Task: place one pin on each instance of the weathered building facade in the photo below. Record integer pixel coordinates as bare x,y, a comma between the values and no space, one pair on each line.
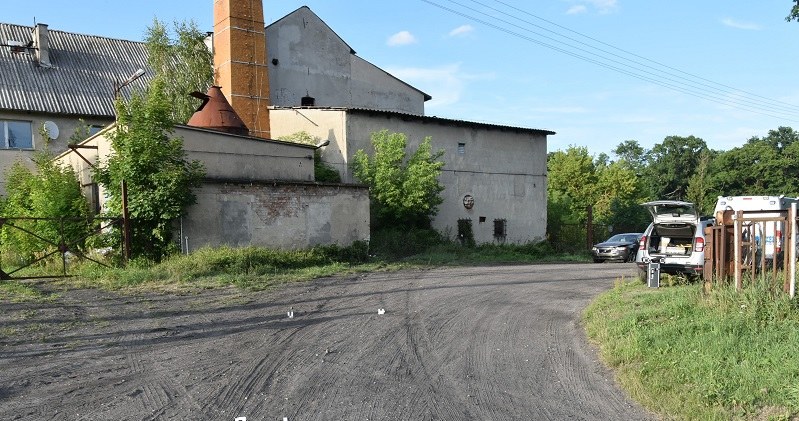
255,192
55,79
494,176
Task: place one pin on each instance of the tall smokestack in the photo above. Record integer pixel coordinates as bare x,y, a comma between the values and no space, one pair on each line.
240,61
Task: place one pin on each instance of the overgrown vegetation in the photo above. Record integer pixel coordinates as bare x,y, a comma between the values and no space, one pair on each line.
153,165
181,57
404,191
691,355
50,191
323,172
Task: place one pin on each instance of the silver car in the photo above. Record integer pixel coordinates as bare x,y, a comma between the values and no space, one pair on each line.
676,237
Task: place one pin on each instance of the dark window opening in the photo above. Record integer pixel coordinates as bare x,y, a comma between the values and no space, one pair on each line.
461,148
465,233
307,101
93,194
500,228
482,219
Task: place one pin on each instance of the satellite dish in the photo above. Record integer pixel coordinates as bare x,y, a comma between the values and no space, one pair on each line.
52,129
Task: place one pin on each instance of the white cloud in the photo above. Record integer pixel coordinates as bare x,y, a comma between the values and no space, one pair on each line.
401,38
461,31
576,10
445,84
601,6
740,25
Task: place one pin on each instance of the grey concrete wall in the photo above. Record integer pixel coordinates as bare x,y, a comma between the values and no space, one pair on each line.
503,169
312,60
243,158
277,215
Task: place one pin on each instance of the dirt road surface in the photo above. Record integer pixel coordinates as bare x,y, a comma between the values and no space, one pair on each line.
477,343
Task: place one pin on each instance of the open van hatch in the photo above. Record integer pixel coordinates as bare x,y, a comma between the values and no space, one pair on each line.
671,239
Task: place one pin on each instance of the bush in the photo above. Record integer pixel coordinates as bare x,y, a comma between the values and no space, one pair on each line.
398,243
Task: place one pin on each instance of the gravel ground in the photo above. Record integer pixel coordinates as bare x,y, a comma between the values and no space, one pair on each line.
482,343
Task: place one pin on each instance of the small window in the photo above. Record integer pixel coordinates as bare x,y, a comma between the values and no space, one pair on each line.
16,134
461,148
500,228
94,129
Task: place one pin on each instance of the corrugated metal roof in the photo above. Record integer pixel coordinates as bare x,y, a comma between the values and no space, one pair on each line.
429,119
81,79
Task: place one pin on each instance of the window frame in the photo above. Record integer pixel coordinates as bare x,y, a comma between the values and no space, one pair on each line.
4,129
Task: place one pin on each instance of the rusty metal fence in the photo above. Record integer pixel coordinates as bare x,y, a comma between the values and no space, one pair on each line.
57,241
742,246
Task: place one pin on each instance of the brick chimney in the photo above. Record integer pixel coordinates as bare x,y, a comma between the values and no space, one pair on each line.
240,61
42,44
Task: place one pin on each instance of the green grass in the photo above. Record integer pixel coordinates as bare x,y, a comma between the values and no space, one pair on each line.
256,268
686,354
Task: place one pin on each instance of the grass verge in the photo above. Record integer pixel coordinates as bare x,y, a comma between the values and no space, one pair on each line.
688,354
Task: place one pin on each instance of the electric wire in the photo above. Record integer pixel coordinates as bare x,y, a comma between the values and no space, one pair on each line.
675,82
725,87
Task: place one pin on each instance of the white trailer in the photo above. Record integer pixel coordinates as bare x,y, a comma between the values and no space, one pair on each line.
773,232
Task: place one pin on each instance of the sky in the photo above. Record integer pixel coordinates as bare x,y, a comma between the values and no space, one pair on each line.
596,72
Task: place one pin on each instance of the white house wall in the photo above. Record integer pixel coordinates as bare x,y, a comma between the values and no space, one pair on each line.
324,124
305,57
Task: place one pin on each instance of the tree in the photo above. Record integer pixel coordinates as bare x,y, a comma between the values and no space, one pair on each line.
631,154
671,164
52,191
762,166
153,164
182,58
794,14
404,191
698,191
571,177
323,172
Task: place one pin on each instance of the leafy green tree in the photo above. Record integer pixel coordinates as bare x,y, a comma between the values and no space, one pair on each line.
52,191
794,14
153,164
699,191
762,166
631,154
671,164
182,57
323,172
572,174
404,191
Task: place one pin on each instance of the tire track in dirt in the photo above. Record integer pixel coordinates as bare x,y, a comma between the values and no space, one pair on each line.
495,343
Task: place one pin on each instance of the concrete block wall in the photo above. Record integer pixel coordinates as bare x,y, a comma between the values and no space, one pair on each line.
276,215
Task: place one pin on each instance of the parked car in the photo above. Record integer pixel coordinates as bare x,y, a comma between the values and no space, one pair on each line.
620,247
676,237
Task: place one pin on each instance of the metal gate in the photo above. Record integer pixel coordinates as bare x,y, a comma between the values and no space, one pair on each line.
57,243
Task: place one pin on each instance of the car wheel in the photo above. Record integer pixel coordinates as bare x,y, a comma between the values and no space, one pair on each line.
630,256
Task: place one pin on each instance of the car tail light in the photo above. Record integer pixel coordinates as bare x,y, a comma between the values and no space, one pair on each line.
778,244
642,242
700,244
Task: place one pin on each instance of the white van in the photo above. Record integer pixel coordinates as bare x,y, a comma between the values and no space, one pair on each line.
773,232
676,238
